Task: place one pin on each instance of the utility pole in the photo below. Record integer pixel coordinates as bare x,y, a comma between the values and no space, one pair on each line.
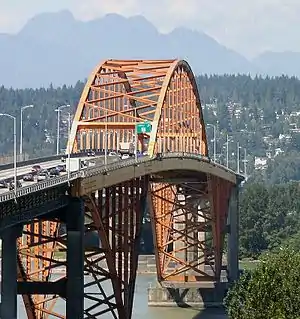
21,126
245,163
135,138
227,151
105,132
238,157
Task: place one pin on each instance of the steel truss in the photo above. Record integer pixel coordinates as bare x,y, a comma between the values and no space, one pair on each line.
189,223
113,215
188,219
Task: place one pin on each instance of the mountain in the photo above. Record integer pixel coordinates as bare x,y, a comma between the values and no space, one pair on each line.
56,48
277,63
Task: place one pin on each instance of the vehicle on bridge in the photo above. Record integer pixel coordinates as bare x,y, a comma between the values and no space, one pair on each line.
61,168
28,177
3,184
53,172
44,174
36,168
91,153
11,185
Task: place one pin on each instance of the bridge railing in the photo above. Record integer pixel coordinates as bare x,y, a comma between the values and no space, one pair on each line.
96,170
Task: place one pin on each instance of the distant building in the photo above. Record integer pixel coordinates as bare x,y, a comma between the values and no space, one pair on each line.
260,163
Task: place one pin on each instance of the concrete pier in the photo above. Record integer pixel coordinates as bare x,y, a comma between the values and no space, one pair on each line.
208,295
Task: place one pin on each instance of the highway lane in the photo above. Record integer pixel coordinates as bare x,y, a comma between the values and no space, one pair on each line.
9,173
27,169
5,174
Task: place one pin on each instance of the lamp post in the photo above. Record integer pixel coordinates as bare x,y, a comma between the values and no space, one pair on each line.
15,149
215,141
21,126
69,148
227,150
238,157
106,142
135,136
245,163
58,110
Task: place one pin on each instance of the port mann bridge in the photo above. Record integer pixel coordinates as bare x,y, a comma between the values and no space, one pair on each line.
192,201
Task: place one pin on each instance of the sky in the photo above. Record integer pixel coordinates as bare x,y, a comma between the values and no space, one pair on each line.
248,26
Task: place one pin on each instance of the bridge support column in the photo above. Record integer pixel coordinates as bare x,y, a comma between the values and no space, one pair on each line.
9,272
233,238
75,259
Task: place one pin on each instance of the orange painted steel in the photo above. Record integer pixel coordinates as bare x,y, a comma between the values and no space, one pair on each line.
120,94
188,219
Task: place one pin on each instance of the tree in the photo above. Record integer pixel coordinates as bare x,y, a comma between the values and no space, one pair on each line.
272,290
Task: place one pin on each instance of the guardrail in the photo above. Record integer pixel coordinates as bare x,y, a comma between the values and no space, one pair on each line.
92,171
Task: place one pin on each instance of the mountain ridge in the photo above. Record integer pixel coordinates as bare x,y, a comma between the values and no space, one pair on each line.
55,48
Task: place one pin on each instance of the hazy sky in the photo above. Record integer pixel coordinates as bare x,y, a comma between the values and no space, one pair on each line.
248,26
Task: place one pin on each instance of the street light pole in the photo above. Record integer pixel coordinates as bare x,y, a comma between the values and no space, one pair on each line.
105,149
245,163
69,148
238,157
227,151
58,110
15,149
215,142
135,137
21,126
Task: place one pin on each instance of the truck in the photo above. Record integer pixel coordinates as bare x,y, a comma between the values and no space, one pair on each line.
76,164
126,148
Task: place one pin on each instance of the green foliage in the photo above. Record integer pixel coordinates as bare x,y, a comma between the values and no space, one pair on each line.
239,105
269,215
270,291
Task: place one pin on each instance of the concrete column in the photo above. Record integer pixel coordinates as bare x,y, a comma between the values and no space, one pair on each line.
233,237
75,259
9,272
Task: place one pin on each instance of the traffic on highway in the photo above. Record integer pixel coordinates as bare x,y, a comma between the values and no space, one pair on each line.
30,174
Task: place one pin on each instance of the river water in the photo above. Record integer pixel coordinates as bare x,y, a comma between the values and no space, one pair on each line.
141,309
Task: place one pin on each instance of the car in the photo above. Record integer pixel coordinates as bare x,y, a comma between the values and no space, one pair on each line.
43,175
91,153
125,156
3,184
36,168
54,172
61,168
11,185
63,158
28,178
112,154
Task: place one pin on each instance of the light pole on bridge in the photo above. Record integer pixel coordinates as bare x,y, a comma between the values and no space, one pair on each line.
21,126
215,141
15,149
58,110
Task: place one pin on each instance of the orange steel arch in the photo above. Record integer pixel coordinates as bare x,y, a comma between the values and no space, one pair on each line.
122,93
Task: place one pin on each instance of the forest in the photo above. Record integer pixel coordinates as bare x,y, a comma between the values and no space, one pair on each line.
261,114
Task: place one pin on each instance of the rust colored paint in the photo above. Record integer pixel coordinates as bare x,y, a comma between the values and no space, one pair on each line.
188,218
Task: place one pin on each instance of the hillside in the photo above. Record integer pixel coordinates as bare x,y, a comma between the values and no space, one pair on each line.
56,48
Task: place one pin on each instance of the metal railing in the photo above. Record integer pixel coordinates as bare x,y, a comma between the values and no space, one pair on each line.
97,170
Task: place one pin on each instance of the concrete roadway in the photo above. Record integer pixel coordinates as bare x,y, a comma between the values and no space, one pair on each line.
9,173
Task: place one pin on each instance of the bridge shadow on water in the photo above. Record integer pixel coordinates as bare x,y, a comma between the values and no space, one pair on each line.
211,313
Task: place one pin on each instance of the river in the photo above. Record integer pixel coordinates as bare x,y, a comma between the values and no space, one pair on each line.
141,309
